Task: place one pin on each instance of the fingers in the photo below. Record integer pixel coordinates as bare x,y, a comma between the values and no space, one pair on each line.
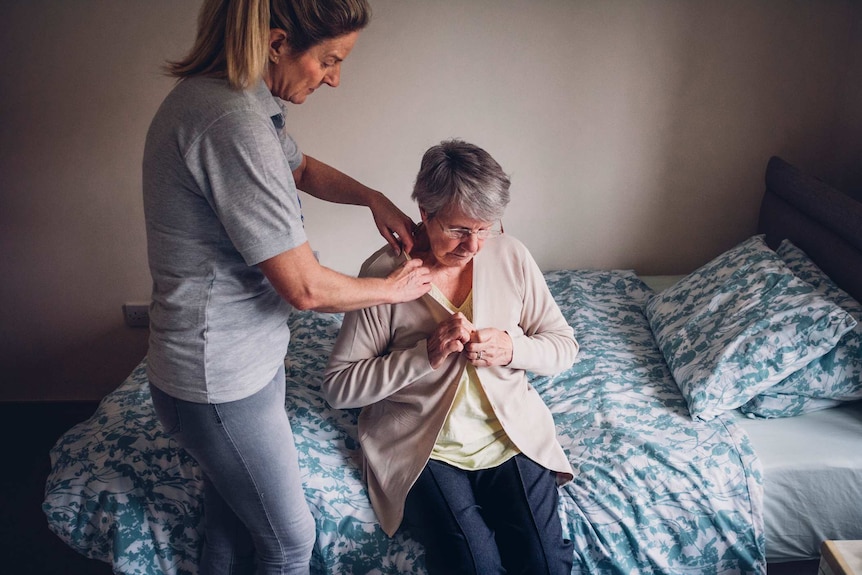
393,224
462,328
446,340
412,264
489,346
419,274
408,282
482,348
454,346
415,272
391,239
406,243
402,225
403,234
481,355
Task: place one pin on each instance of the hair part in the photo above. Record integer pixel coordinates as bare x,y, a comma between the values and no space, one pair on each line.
463,176
233,35
310,22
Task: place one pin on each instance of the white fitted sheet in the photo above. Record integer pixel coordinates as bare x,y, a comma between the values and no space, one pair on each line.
812,466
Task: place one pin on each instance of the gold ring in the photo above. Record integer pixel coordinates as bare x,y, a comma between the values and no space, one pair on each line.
479,354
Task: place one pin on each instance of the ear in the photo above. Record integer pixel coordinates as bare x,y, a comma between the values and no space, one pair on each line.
424,215
278,43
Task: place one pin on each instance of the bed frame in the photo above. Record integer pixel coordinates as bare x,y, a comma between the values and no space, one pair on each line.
825,223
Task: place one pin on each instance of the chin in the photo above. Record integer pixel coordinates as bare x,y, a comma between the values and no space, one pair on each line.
461,260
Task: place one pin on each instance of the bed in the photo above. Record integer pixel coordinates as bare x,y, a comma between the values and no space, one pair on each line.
759,468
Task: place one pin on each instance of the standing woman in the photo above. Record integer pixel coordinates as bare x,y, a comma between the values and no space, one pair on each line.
229,259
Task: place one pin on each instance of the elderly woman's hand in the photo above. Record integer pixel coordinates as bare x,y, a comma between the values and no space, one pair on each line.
482,347
489,346
391,221
450,337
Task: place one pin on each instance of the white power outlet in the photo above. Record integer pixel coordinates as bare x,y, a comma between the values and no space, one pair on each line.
136,314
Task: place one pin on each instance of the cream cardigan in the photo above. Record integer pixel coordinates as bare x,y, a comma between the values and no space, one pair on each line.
380,363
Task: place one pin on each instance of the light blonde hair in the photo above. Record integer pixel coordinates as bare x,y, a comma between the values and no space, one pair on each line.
233,35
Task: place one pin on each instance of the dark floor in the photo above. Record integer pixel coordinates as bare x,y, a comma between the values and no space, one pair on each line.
795,568
27,547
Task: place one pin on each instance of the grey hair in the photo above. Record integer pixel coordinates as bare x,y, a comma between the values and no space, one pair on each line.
455,174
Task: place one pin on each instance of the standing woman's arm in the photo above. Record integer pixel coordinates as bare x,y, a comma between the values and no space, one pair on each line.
305,284
326,183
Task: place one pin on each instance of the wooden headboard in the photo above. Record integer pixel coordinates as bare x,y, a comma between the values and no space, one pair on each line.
822,221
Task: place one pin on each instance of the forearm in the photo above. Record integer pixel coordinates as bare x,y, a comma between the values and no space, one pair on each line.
547,344
362,368
357,383
326,183
332,292
547,353
305,284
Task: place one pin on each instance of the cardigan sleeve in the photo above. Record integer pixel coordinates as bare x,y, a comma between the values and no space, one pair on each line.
365,367
362,370
546,344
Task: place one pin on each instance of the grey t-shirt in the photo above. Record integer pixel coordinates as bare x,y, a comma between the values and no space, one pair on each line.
219,198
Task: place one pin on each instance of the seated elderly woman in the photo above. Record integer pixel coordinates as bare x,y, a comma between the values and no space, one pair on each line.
455,441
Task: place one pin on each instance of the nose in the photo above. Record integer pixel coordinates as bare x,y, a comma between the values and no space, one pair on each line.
471,242
333,77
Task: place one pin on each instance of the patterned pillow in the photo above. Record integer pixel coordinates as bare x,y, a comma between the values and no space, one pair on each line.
829,380
739,325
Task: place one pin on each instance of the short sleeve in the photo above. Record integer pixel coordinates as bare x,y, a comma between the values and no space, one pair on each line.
245,171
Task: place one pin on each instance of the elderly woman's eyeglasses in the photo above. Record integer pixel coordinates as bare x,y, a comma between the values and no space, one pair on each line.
464,233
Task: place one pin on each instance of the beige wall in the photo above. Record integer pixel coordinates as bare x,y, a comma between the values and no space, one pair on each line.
636,134
846,172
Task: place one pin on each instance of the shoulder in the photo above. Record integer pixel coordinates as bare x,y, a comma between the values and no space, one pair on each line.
507,257
381,263
201,102
506,245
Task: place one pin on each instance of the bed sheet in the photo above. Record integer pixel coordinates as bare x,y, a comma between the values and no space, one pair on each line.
654,492
812,470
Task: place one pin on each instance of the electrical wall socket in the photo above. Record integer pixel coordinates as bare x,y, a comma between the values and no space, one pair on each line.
136,314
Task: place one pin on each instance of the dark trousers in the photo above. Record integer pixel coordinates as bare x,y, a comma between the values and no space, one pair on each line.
492,521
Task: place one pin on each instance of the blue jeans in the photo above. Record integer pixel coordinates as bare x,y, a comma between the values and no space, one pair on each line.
494,521
254,504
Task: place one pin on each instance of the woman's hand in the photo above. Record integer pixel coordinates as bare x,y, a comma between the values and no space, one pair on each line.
483,347
326,183
489,346
409,281
394,225
450,337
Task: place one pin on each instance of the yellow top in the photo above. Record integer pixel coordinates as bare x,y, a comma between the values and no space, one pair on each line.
472,437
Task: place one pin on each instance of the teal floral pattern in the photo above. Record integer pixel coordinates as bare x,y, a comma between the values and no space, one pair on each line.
122,492
739,325
829,380
654,491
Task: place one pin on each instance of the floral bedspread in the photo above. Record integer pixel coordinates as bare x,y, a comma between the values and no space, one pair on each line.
654,491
